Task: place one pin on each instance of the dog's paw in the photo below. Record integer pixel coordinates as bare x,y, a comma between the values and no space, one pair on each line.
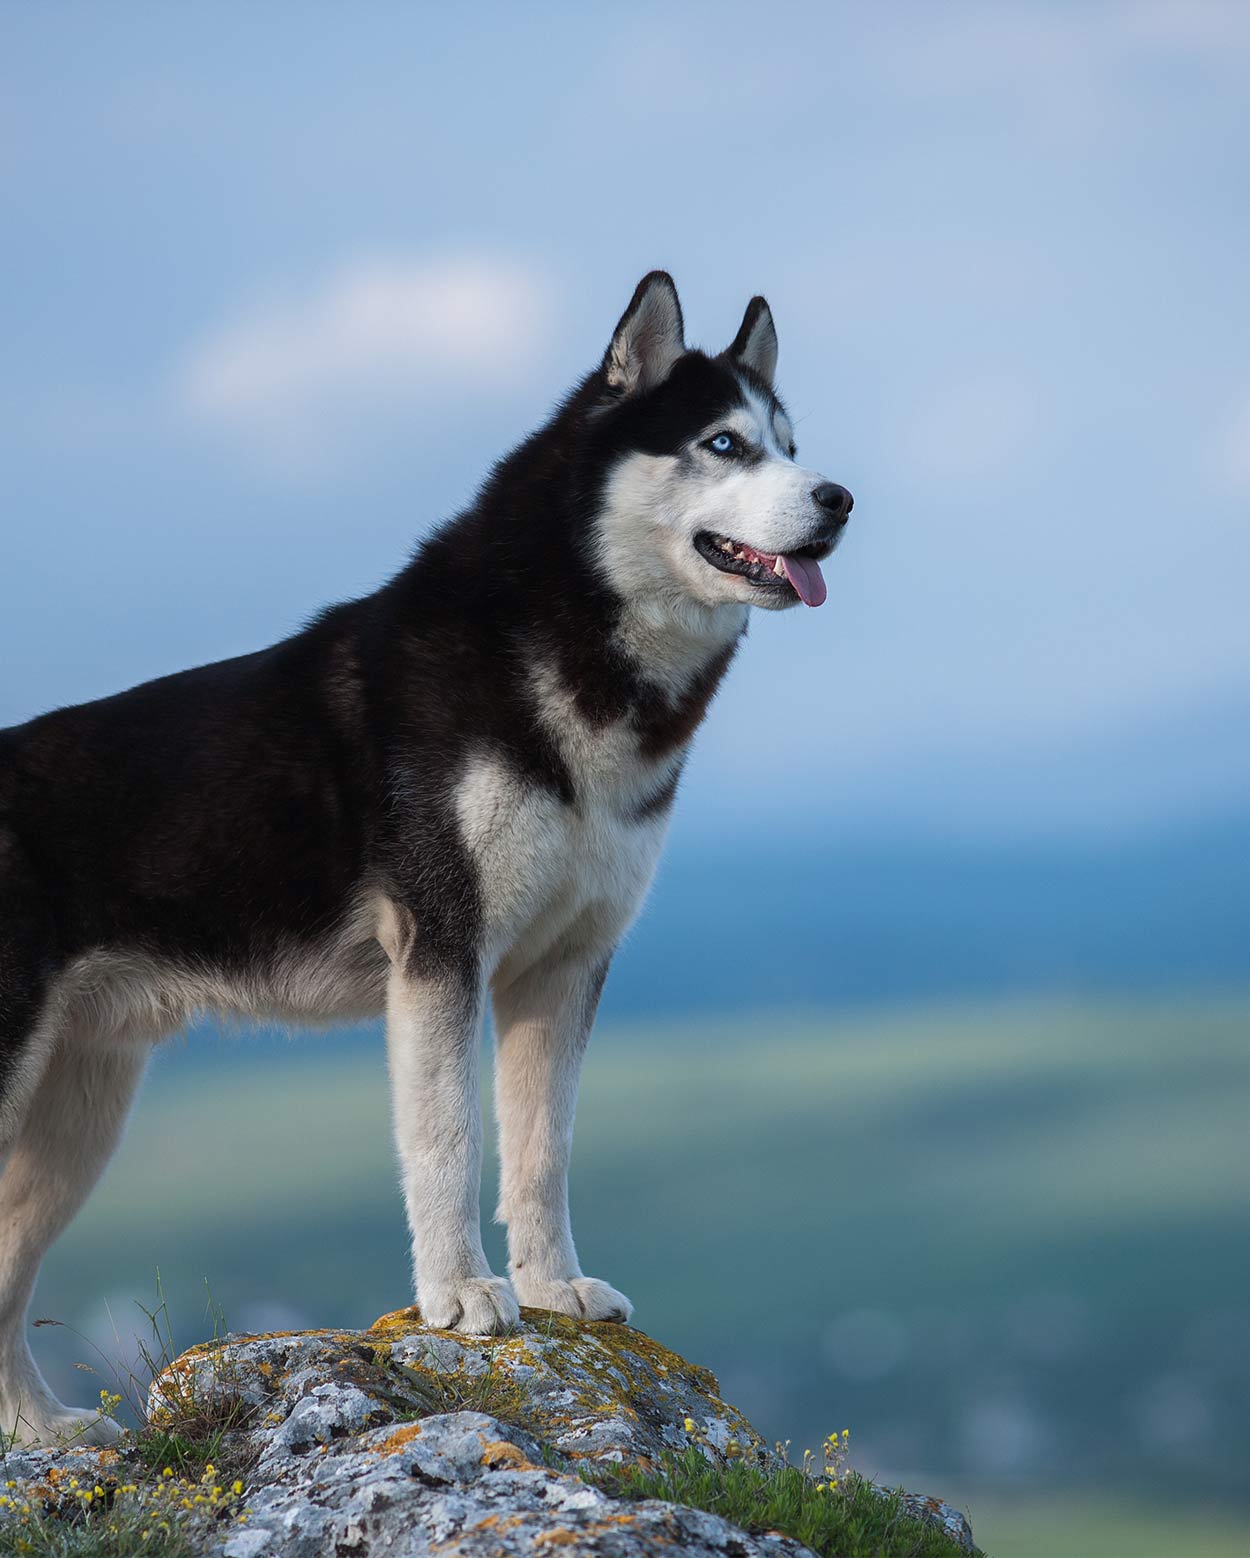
64,1428
585,1298
479,1306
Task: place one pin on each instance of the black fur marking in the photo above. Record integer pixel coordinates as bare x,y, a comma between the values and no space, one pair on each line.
755,308
663,725
27,947
760,356
593,992
661,800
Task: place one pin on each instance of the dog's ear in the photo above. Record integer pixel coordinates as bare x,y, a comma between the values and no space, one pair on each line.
755,344
649,339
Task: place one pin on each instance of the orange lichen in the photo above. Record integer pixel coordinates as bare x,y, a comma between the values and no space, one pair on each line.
401,1437
400,1322
559,1537
498,1523
499,1452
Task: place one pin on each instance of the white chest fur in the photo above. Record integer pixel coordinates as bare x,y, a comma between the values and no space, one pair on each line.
561,879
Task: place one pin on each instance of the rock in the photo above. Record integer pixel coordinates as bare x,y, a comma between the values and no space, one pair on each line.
401,1440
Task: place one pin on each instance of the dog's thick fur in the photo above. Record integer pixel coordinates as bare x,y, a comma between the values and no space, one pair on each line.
453,789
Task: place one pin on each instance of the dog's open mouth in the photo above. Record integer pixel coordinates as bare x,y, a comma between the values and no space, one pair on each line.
797,571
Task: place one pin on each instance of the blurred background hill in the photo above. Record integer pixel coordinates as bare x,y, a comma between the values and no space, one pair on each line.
920,1100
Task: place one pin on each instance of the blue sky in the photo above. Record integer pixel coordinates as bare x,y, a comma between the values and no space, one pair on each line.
281,282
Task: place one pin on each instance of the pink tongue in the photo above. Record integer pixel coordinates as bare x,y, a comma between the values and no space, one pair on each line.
808,581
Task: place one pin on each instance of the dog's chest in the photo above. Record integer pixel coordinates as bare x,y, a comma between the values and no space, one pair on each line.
555,874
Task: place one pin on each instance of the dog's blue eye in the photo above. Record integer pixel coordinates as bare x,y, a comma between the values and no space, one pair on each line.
723,443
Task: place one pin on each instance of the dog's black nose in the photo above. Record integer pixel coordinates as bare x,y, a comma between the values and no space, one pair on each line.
836,501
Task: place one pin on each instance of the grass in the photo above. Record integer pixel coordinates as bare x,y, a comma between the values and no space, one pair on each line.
190,1432
851,1519
194,1431
495,1395
124,1535
191,1455
151,1518
181,1469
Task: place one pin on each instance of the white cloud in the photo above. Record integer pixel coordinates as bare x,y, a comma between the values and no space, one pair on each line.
298,378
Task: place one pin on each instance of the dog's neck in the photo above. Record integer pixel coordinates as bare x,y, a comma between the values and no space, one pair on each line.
671,642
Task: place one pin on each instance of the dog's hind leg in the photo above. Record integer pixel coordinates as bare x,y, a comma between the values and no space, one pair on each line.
70,1125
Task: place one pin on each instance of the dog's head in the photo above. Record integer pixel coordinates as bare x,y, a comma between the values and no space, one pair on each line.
703,499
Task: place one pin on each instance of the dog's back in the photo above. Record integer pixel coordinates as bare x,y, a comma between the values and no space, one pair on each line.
208,824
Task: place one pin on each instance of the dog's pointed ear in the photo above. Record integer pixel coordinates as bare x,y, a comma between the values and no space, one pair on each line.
649,339
755,344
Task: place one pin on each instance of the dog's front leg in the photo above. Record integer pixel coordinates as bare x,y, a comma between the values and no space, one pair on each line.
542,1022
432,1038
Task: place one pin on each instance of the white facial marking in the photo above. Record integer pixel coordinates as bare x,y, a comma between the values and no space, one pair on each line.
655,506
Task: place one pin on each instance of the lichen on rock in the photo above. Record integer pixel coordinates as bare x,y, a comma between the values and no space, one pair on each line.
404,1440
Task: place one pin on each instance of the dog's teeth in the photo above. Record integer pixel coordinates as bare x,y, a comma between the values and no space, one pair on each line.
779,568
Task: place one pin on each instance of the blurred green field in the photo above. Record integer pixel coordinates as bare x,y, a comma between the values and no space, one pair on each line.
1083,1526
1009,1246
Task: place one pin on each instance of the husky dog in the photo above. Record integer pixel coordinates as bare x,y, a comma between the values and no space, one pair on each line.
453,789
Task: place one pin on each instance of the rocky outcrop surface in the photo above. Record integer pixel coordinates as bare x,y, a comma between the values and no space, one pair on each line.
401,1440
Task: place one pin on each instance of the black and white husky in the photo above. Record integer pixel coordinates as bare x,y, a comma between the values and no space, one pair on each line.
456,787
